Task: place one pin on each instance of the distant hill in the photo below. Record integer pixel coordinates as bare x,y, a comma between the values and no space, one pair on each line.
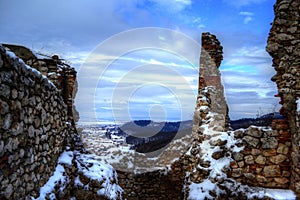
265,120
148,136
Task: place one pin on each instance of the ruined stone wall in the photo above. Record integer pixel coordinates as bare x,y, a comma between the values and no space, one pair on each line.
265,159
284,47
257,156
33,128
209,75
159,184
62,75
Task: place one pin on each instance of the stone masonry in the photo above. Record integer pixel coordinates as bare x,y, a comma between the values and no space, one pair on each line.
209,74
62,75
265,159
37,125
284,47
33,128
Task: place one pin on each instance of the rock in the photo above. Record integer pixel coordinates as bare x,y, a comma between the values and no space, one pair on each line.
286,174
83,179
261,160
218,142
278,159
4,107
233,165
261,179
254,132
1,147
237,156
7,121
270,152
249,176
31,131
281,180
1,62
236,173
255,152
249,159
14,93
269,143
218,154
238,134
8,191
253,142
283,149
32,101
272,171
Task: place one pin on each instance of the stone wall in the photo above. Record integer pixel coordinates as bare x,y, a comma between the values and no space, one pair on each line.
62,75
265,159
33,127
158,184
284,47
40,149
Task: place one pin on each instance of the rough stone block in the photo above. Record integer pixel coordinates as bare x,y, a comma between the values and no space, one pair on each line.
253,142
272,171
269,143
261,160
278,159
269,152
254,132
283,149
249,159
237,156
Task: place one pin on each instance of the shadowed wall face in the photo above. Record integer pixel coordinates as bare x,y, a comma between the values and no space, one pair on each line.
33,128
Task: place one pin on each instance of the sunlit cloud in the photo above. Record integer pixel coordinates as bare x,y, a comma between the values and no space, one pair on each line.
77,28
239,3
173,6
248,16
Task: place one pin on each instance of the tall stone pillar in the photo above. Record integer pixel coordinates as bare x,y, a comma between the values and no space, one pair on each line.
210,76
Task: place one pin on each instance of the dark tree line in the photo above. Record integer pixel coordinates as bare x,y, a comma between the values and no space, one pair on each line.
264,120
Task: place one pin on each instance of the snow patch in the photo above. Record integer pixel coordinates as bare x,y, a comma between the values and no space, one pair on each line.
66,158
53,180
280,194
93,169
200,191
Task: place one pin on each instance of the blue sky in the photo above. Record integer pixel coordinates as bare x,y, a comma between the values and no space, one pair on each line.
149,73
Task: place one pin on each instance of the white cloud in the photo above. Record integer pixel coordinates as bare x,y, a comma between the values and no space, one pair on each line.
246,76
248,56
73,29
239,3
172,6
247,16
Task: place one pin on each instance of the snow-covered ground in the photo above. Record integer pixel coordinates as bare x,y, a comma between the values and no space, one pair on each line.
89,165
